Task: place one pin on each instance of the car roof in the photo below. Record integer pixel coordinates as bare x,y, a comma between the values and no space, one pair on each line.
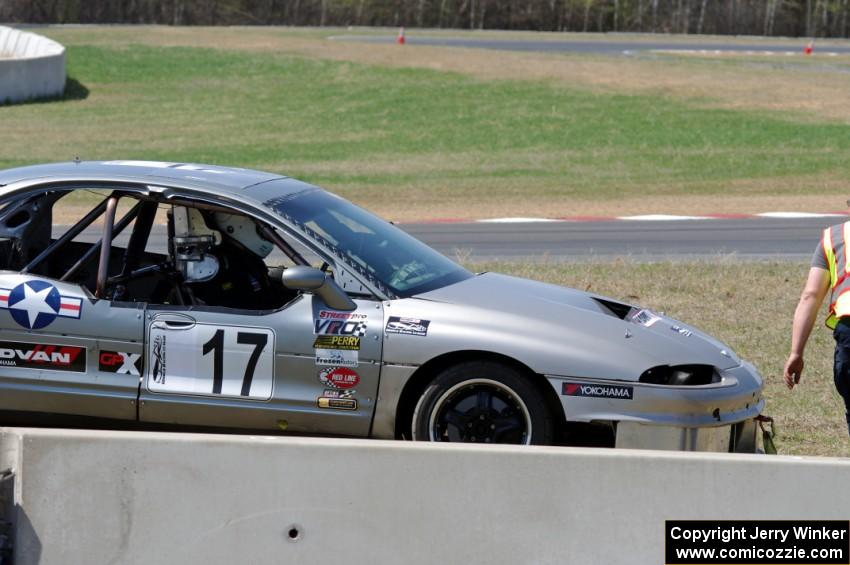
225,179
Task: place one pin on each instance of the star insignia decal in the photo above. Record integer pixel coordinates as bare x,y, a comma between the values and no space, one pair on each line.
36,304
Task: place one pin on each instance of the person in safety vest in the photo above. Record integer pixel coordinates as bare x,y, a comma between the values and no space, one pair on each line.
829,273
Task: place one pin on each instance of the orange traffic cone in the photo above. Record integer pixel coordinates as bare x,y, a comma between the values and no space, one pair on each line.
400,38
807,50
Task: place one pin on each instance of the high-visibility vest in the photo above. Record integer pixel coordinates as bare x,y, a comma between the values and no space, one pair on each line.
835,246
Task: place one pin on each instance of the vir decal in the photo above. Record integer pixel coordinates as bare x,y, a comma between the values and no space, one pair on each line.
407,326
35,304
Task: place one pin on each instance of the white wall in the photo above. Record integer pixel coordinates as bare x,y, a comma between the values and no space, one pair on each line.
31,66
140,498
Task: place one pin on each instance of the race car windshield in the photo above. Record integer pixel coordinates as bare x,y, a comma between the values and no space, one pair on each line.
371,246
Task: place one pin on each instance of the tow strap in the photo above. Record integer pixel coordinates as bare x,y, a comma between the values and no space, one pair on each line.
768,432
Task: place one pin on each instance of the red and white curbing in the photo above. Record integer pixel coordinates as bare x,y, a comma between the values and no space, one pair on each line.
640,218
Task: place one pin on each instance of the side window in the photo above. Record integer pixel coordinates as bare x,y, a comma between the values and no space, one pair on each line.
227,260
55,234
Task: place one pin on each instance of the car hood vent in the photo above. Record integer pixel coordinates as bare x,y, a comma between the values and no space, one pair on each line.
617,309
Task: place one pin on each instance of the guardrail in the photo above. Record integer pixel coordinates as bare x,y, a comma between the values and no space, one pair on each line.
31,66
135,497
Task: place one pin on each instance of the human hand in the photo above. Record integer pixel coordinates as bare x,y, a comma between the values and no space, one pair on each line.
793,370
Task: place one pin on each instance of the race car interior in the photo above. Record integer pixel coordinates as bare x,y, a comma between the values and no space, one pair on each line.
211,256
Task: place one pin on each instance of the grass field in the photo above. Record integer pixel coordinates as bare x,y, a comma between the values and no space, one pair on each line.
417,133
749,307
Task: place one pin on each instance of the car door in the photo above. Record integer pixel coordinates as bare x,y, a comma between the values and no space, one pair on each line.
304,368
63,352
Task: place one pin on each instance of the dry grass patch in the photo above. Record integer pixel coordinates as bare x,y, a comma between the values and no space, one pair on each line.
749,307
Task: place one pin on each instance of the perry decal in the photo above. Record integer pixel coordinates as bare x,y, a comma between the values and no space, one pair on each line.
344,342
45,356
35,304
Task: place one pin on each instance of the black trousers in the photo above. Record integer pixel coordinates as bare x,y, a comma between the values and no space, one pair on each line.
841,368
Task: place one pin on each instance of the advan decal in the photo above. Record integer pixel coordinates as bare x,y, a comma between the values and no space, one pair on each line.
51,357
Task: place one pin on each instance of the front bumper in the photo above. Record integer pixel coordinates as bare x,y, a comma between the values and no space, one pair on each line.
715,417
734,438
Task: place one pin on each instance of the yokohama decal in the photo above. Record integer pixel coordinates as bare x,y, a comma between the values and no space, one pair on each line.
43,356
598,391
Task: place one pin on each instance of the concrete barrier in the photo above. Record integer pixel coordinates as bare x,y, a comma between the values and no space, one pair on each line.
31,66
132,498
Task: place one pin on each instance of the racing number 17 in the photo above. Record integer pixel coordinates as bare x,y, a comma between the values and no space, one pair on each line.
216,346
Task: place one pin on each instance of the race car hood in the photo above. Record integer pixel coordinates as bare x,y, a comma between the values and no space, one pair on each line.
559,330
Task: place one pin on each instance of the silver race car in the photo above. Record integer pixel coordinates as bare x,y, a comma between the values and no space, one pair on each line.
149,294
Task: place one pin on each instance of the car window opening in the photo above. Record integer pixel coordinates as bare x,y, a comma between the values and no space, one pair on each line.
204,255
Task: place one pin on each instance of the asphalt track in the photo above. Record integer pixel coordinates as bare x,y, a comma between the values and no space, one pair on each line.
753,239
604,47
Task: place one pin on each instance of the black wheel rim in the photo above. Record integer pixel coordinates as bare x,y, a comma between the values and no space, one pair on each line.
480,411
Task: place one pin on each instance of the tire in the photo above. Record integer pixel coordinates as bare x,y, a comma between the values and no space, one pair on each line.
482,402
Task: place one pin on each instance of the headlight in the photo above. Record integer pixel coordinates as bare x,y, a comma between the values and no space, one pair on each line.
681,375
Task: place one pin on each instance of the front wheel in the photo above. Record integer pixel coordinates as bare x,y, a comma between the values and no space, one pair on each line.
482,402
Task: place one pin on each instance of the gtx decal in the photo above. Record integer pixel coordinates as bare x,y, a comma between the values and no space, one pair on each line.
598,391
43,356
120,362
35,304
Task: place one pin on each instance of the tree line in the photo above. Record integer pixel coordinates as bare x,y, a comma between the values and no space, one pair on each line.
795,18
